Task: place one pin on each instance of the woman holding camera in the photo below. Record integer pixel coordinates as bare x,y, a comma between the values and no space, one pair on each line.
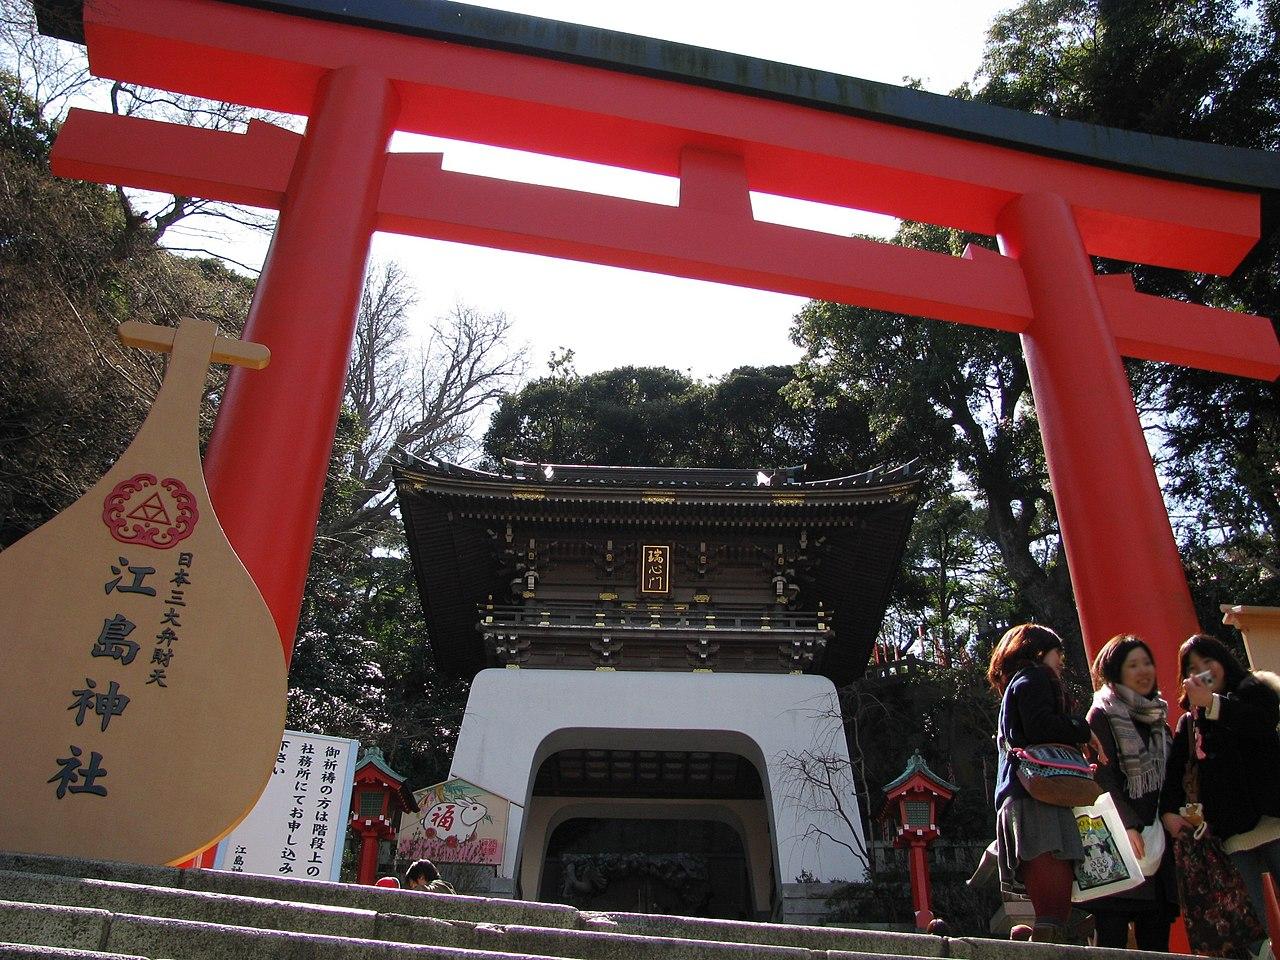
1231,727
1130,719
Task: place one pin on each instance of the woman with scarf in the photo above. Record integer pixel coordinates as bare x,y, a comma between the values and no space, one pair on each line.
1037,845
1130,720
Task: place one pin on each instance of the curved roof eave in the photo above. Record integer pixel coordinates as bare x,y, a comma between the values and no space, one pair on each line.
569,479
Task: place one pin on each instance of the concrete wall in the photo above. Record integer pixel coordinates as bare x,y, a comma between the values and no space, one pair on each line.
515,719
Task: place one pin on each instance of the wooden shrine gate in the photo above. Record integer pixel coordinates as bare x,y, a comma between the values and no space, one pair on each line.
1053,192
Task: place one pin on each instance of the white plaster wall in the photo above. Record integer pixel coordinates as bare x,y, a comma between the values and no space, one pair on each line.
515,719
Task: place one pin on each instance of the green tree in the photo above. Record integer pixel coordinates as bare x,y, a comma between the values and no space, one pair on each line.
1202,70
1207,70
660,417
759,420
960,397
629,415
71,397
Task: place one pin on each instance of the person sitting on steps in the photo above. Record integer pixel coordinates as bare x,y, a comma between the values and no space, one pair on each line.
423,875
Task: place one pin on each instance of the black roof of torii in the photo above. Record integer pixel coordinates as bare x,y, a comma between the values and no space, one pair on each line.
1166,157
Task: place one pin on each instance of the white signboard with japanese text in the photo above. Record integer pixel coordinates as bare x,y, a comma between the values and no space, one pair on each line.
299,825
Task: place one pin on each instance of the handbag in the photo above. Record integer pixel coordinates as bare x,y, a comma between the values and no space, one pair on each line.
1109,866
1219,916
1057,774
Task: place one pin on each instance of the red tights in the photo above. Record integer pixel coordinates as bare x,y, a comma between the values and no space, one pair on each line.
1048,883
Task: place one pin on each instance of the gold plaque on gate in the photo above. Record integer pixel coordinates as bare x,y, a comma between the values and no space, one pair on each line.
655,569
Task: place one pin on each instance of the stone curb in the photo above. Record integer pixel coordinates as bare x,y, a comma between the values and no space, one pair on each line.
19,951
73,928
841,939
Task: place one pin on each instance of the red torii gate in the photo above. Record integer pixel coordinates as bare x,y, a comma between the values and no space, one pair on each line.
1053,194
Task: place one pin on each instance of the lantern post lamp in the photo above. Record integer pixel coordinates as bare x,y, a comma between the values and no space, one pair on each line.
376,798
916,800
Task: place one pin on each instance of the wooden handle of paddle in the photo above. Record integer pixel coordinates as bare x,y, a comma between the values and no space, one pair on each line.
148,336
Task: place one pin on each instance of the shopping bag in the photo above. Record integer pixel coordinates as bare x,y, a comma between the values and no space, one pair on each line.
1152,848
1109,865
1220,920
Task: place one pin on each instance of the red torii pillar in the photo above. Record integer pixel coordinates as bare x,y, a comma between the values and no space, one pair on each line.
274,435
1124,562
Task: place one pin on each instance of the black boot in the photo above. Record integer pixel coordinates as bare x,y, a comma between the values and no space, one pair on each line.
1046,931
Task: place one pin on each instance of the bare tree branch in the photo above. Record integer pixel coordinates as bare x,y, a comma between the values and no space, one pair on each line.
414,404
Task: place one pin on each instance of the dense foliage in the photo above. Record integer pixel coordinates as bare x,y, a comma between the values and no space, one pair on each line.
1206,70
658,416
71,269
1203,70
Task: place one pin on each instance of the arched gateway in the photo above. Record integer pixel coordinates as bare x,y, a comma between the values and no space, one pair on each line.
1054,192
655,654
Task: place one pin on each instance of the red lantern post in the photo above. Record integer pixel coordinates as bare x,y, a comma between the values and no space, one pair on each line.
376,798
917,798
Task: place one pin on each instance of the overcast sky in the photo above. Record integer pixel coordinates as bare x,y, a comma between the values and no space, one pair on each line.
691,325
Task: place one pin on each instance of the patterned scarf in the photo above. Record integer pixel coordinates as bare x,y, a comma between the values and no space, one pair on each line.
1143,766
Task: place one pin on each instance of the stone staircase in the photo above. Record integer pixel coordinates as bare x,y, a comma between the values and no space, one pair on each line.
53,907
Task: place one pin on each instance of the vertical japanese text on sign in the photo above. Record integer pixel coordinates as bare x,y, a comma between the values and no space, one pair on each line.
655,569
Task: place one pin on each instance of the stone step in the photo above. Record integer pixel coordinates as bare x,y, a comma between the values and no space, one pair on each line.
127,909
509,914
601,938
377,899
26,951
598,942
80,928
83,928
844,939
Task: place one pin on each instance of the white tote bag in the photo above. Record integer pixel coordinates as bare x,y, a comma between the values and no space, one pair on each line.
1109,865
1152,848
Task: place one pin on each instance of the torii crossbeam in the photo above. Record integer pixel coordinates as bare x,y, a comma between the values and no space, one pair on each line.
1054,193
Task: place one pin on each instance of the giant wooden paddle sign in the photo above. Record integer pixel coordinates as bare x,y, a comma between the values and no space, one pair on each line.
142,686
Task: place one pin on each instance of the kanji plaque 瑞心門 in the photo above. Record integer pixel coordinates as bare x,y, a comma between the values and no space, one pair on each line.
655,569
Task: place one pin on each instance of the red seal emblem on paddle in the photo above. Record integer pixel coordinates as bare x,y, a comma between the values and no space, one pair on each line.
150,512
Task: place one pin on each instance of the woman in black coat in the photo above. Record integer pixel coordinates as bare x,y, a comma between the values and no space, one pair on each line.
1130,719
1232,727
1037,845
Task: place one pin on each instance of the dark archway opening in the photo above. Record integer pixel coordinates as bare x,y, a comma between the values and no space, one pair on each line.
651,831
690,867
